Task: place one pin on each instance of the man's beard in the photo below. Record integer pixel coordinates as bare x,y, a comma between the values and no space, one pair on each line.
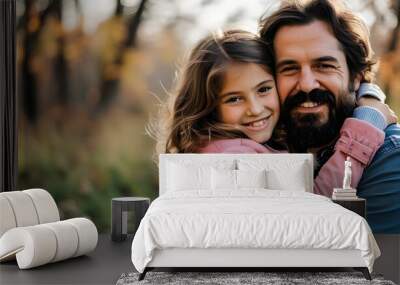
304,130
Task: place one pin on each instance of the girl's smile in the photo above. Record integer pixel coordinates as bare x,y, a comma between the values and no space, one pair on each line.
258,125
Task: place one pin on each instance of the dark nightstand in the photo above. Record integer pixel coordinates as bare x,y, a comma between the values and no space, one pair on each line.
357,205
120,208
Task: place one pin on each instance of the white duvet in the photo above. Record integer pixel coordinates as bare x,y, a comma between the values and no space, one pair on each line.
252,218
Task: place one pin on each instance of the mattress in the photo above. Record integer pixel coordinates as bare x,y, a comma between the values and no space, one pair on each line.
251,218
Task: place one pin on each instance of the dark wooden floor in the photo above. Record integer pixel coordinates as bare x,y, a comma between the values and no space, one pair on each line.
110,259
102,266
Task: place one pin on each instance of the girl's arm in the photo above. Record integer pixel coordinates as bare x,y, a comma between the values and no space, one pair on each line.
359,140
371,90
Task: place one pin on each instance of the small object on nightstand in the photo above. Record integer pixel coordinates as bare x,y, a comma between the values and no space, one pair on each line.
344,194
357,205
120,208
347,174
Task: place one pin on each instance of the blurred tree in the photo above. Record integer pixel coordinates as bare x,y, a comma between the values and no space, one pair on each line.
111,70
60,65
32,24
396,31
133,25
389,69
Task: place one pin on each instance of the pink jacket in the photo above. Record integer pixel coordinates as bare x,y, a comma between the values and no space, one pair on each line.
358,139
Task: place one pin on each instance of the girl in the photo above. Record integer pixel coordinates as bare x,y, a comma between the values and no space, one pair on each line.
226,101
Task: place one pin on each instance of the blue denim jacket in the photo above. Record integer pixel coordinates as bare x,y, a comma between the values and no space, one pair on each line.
380,185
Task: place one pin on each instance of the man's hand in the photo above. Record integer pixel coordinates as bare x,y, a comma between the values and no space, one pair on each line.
388,113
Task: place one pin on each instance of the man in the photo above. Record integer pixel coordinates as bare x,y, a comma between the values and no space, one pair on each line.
322,54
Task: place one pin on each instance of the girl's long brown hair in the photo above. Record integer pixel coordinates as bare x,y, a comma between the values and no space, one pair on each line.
188,119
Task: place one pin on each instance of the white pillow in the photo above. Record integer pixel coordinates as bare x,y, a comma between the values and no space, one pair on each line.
236,179
181,177
223,179
281,174
292,179
251,179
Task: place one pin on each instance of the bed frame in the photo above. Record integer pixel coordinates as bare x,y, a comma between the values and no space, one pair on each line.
246,258
242,259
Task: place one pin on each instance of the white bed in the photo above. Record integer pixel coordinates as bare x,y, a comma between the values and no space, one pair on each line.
236,210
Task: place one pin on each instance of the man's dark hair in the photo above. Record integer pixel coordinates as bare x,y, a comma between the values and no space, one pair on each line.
347,27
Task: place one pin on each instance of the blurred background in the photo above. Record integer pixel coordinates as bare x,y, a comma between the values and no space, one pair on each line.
91,74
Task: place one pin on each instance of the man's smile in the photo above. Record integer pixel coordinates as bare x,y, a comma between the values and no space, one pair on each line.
310,107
